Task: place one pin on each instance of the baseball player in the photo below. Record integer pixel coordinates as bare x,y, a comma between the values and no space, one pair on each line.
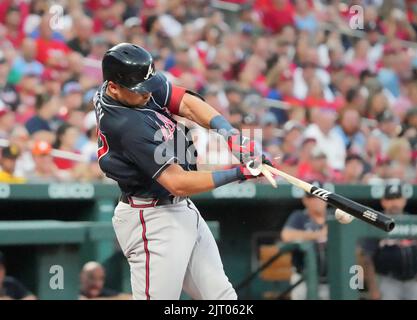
167,243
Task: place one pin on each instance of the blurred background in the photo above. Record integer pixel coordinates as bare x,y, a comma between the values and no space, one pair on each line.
332,84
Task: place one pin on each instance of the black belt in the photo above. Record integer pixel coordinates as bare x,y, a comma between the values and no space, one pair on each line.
157,202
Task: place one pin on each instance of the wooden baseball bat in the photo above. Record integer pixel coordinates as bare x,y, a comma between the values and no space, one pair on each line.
268,175
357,210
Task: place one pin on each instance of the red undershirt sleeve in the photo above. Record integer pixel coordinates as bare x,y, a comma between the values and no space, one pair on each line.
175,100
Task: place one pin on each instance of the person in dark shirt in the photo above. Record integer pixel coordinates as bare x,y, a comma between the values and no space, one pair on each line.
8,93
390,265
46,114
308,224
11,288
81,42
92,278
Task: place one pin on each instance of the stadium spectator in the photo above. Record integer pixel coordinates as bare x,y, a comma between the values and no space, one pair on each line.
7,120
83,32
356,97
66,138
281,83
275,14
305,19
308,224
309,70
29,86
106,14
355,170
8,92
397,26
25,62
377,102
132,27
409,129
269,134
20,137
400,152
50,51
46,117
93,278
10,287
390,264
92,62
72,99
291,139
358,57
8,161
318,169
13,24
387,129
305,156
373,35
322,129
131,9
51,80
387,74
349,130
45,170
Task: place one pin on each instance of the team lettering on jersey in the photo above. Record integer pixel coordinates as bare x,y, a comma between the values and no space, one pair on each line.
103,146
98,109
168,127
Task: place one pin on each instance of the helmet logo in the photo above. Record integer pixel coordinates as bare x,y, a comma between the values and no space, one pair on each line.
151,71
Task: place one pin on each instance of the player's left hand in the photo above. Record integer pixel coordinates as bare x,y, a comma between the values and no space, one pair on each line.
252,168
247,173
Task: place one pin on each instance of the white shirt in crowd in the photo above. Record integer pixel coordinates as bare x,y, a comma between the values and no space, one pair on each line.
331,144
301,88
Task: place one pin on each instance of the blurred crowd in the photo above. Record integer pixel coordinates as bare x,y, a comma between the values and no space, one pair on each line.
335,94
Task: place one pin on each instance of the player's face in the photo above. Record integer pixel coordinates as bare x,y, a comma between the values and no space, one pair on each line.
95,282
393,206
8,164
128,97
315,206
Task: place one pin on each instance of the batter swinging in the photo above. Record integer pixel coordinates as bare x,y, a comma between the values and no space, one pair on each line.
162,234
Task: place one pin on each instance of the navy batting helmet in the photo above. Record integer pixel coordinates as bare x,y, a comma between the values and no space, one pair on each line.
131,67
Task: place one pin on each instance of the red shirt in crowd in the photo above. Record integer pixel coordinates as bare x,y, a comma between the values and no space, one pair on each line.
21,4
274,18
307,173
48,48
14,39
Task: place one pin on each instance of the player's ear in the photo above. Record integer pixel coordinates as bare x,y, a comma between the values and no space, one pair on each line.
113,88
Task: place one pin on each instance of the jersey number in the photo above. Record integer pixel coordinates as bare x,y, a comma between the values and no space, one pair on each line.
103,146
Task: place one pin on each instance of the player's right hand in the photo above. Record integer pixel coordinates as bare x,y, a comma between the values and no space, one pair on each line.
243,148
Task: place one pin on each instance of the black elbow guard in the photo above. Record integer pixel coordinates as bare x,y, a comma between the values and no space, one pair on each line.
195,94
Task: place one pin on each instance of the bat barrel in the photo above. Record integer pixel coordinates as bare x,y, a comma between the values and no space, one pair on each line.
389,225
351,207
362,212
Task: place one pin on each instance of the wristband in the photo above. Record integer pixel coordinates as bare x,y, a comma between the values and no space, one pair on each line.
222,126
222,177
